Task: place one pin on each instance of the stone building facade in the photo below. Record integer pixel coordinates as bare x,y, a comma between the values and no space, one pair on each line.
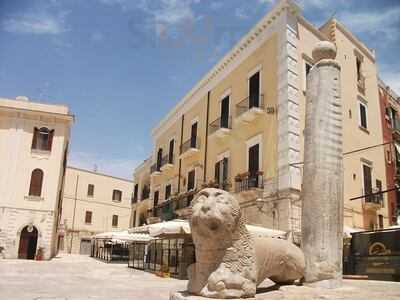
92,203
241,127
390,109
34,140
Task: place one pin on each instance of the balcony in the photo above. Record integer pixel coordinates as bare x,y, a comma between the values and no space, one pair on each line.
247,111
190,147
220,128
373,200
247,182
167,163
361,84
155,170
396,128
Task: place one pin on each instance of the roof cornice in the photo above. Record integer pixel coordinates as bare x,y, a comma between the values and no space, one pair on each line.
228,59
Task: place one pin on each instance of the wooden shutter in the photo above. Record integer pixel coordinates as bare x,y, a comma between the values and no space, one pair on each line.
171,152
35,137
193,136
367,182
88,217
50,140
217,168
225,112
167,192
254,90
159,159
35,188
156,195
191,177
225,170
115,221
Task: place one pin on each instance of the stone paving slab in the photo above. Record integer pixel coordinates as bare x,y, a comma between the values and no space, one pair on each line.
76,277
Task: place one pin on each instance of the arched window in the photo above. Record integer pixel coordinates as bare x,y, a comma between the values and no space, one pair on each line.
42,139
35,189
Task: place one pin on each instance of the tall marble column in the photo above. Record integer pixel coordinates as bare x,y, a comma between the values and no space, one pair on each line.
322,206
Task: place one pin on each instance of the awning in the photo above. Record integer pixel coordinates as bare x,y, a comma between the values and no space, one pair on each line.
180,227
123,236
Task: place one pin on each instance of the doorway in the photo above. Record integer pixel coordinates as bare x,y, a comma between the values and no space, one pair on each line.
28,243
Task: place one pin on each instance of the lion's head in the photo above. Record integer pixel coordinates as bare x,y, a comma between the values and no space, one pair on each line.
215,215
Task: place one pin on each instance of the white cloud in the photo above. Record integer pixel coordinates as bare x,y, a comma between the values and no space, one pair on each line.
162,15
97,36
36,23
373,22
111,166
240,13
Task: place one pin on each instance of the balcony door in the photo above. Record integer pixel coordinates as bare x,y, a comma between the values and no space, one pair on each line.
171,152
159,159
254,165
367,182
193,135
221,172
225,112
254,90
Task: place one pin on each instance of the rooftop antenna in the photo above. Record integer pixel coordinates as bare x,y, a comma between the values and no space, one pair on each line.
95,168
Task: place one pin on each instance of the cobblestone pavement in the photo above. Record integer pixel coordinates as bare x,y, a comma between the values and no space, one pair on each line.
80,277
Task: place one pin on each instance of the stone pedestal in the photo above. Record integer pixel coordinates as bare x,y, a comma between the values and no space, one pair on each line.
322,207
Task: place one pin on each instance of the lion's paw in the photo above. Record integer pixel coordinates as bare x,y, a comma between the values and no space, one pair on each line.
223,284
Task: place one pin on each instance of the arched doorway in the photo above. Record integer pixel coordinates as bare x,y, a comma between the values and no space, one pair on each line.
28,243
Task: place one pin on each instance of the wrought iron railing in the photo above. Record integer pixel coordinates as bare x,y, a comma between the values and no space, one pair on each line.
167,159
373,196
155,168
220,123
245,105
245,182
192,143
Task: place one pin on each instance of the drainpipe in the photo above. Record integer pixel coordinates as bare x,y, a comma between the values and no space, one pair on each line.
206,138
180,160
73,215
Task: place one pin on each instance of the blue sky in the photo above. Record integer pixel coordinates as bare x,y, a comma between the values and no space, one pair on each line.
121,65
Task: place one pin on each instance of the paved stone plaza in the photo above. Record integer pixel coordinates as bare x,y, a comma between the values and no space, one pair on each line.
81,277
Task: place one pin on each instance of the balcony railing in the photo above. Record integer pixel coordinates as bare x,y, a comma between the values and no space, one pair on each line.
219,123
246,181
374,197
155,168
167,159
246,105
192,143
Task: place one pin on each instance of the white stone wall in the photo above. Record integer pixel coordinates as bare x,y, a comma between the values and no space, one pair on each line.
18,160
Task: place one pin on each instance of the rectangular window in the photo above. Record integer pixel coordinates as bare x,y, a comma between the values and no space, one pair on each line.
254,165
363,115
88,217
171,151
167,192
367,183
191,180
90,190
193,135
358,66
379,197
307,69
155,198
135,193
221,172
117,195
254,90
42,139
114,221
380,220
225,112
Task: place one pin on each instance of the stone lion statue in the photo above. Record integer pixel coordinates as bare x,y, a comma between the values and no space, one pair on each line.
230,262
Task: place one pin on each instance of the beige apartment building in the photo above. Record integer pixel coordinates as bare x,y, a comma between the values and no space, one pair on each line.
92,203
34,140
241,128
